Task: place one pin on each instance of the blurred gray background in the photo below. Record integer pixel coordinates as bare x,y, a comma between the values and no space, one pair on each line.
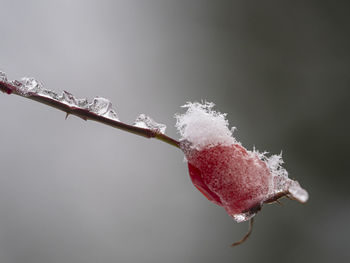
74,191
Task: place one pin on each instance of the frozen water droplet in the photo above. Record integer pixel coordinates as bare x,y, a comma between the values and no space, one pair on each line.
280,184
49,93
285,184
100,106
16,83
68,98
243,217
239,217
297,192
112,114
82,103
29,86
3,76
146,122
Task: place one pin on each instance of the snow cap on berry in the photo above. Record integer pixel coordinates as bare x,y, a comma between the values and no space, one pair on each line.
203,127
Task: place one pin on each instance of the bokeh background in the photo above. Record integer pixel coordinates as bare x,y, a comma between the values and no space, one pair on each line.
74,191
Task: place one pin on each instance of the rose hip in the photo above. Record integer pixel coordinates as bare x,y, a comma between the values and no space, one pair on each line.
230,176
225,172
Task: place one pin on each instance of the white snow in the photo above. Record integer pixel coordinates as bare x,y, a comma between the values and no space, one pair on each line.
143,121
203,127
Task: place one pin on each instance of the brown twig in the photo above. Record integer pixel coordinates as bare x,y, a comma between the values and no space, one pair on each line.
11,88
250,230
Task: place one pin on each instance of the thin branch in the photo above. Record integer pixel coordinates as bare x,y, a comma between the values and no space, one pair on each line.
275,198
85,114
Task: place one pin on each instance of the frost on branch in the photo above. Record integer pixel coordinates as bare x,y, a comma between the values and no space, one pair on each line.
99,109
146,122
224,171
102,106
28,87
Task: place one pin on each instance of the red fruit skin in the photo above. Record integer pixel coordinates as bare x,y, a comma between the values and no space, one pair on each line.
229,176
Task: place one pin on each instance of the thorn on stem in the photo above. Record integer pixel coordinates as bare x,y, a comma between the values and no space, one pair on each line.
67,114
250,230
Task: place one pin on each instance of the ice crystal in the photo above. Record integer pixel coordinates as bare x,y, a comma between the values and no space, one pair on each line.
49,94
143,121
112,114
29,86
100,106
3,76
243,217
68,98
82,103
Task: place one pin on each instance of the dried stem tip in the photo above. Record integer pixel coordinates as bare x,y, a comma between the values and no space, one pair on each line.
250,230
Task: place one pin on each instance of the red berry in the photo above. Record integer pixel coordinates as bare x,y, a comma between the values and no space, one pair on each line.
230,176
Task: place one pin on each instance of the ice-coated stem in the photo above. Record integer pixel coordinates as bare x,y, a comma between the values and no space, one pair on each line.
84,113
